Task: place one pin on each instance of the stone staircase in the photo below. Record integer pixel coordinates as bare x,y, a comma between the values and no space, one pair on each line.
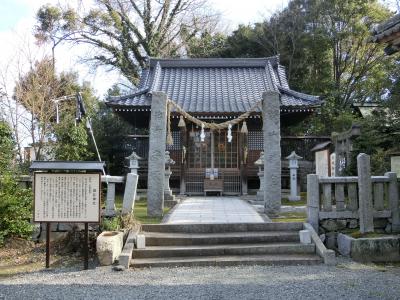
171,245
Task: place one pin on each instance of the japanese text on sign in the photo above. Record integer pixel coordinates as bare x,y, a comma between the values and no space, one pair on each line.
67,197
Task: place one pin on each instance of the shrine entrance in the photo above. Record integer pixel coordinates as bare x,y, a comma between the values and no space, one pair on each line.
213,165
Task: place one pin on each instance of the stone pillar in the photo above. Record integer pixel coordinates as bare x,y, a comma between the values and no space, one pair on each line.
393,193
272,152
156,158
132,178
128,201
260,163
167,190
365,193
293,166
110,200
313,201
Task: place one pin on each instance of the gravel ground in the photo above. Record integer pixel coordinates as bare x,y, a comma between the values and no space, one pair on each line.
348,280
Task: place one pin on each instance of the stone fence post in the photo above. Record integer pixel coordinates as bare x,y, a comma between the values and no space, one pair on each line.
313,201
393,193
365,193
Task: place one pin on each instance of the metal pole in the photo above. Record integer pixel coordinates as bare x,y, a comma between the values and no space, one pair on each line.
86,247
48,228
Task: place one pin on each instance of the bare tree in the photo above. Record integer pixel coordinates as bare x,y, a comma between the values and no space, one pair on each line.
123,33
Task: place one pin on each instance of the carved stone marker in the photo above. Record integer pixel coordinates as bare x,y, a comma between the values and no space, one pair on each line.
365,193
272,152
156,170
322,163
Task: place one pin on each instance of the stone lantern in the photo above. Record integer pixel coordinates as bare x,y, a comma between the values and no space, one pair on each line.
293,166
167,190
260,163
133,162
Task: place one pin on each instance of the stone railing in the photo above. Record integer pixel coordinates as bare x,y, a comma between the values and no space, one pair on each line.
356,200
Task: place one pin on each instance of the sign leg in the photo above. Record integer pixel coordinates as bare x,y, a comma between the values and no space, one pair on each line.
86,250
48,228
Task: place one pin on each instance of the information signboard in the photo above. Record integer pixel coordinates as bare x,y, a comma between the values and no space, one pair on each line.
67,197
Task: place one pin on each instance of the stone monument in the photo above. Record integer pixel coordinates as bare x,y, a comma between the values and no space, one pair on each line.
272,152
157,143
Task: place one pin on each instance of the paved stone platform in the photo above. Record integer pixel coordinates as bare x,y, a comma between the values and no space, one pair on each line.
213,210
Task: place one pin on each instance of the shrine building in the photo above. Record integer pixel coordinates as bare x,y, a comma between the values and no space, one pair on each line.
216,90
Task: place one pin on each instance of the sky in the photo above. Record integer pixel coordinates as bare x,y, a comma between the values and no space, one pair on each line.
18,19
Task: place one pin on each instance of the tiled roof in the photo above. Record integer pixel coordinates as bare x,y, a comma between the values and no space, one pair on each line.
214,85
388,32
386,28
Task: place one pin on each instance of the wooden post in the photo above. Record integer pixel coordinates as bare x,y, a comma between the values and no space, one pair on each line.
48,228
393,193
183,160
243,169
313,201
365,193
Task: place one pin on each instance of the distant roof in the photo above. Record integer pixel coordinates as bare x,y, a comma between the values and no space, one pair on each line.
388,32
67,165
214,84
321,146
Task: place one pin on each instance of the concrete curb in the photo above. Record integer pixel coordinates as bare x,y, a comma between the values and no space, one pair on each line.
125,257
329,256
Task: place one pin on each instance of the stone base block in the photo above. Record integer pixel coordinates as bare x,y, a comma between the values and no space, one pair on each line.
260,196
384,249
305,237
294,198
109,246
140,241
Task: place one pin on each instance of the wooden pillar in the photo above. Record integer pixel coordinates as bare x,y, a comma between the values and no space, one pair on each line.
184,150
243,163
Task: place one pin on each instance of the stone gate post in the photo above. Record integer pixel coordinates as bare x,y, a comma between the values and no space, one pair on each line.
156,158
272,152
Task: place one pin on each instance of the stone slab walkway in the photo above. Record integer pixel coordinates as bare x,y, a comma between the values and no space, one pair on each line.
213,210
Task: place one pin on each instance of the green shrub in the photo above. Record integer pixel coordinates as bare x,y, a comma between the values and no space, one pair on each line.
15,209
110,224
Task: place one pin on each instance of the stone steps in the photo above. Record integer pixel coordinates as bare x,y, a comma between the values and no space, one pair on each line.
219,228
181,239
228,260
225,249
172,245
